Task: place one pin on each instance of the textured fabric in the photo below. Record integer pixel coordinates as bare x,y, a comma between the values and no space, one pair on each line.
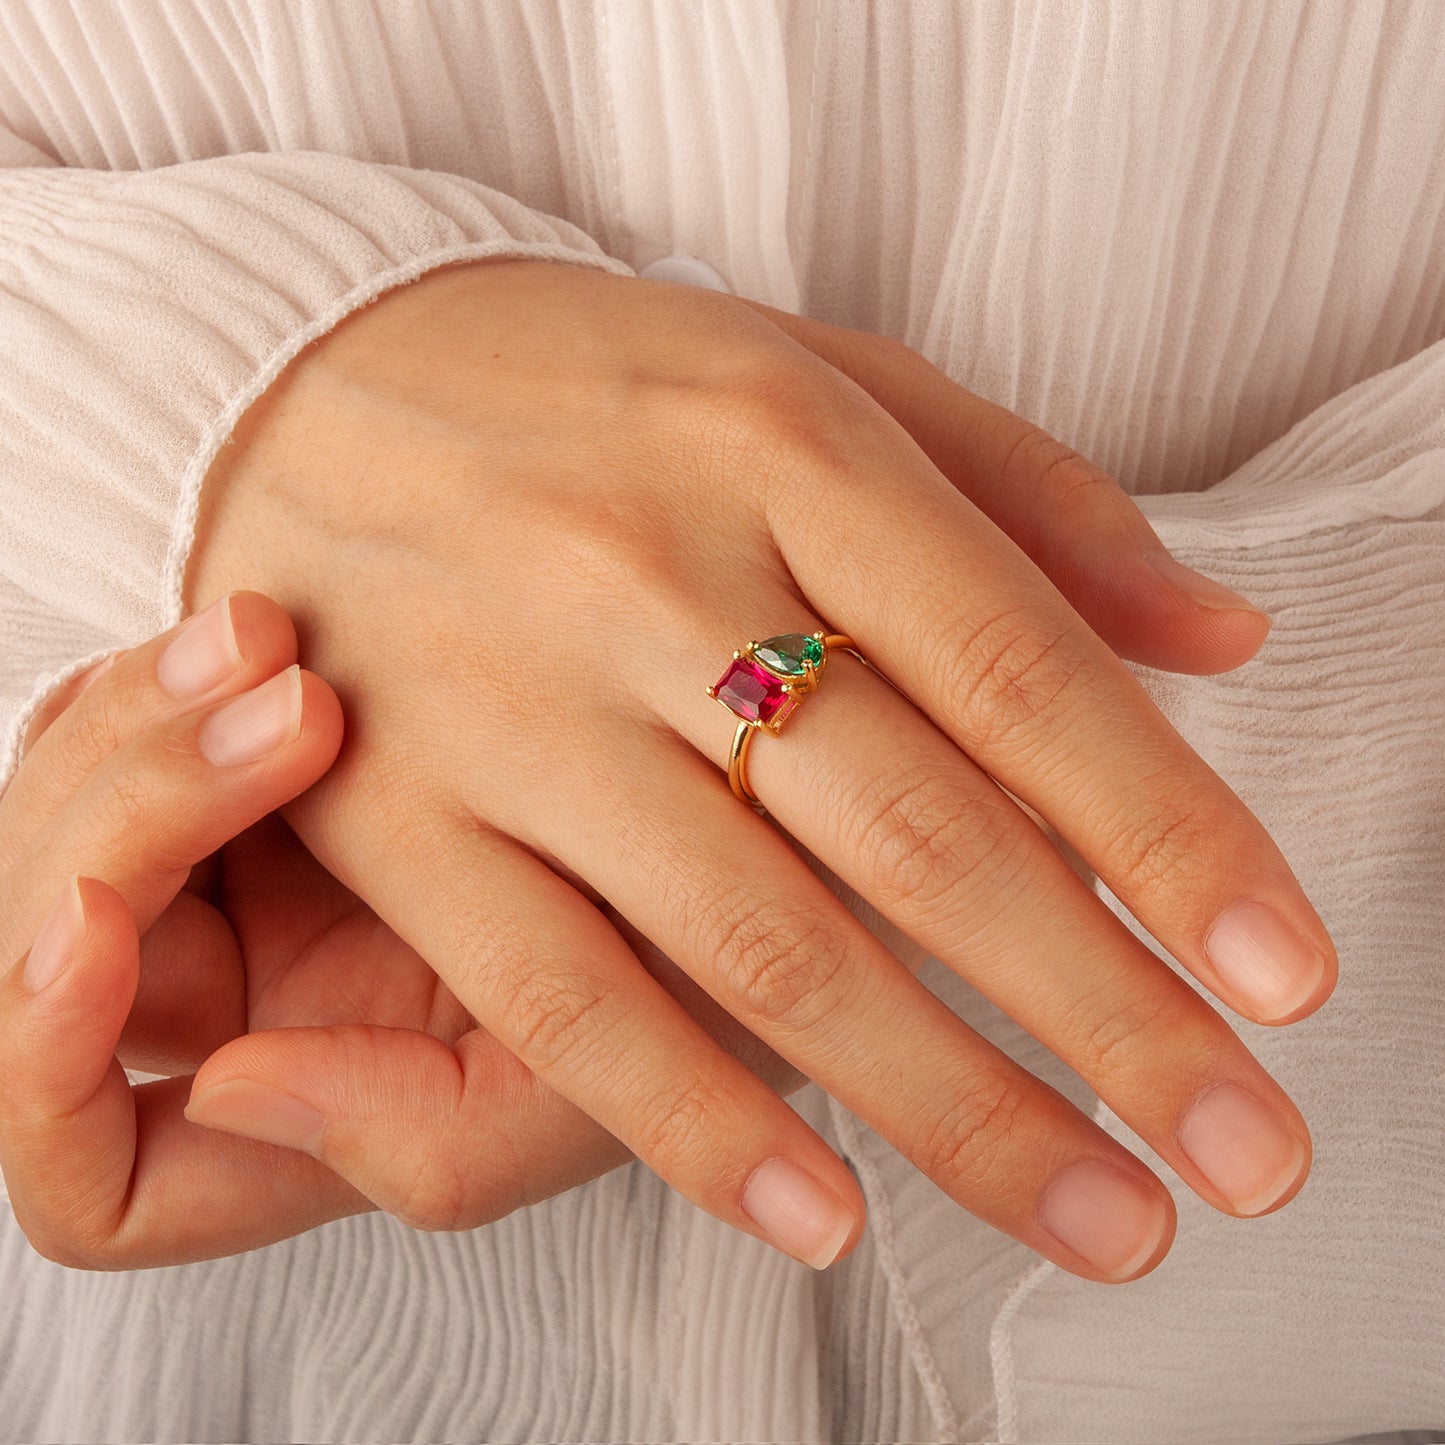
230,266
1326,1318
1204,244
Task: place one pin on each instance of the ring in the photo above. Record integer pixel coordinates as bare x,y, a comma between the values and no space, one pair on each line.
762,687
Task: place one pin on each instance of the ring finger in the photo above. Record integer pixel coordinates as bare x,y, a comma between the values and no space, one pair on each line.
876,792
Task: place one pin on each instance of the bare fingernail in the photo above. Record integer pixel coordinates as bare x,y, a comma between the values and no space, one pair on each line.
1262,959
242,1106
1113,1221
1242,1147
254,724
57,940
202,654
803,1218
1199,588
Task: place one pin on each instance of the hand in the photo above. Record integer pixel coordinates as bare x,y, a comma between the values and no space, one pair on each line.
523,512
142,971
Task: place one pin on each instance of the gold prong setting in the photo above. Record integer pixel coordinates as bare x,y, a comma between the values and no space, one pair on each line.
766,680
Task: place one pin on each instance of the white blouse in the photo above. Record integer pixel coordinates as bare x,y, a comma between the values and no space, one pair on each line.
1203,244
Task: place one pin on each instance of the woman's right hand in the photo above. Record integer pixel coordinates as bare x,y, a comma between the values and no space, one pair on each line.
524,511
200,920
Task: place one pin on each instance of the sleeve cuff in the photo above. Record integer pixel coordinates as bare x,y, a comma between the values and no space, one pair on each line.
141,314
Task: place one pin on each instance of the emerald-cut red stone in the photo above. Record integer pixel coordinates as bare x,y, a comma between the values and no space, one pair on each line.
753,693
786,655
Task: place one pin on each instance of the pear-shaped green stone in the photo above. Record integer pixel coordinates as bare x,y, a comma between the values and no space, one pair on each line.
785,655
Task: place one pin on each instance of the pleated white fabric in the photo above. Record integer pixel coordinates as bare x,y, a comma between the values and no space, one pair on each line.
1204,244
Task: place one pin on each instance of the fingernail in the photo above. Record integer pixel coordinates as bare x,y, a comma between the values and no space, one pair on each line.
57,940
1199,588
801,1217
1258,955
202,654
1104,1215
1241,1147
242,1106
254,724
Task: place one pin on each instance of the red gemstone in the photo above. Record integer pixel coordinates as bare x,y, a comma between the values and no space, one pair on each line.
753,693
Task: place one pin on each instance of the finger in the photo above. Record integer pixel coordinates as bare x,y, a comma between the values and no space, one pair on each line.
191,997
97,1175
951,611
352,969
173,794
722,893
443,1138
920,831
106,1176
720,1026
234,644
545,975
103,1176
1072,518
183,1011
61,699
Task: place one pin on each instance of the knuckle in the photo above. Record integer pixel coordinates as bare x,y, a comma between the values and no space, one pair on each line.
151,795
974,1142
436,1199
925,838
1115,1037
554,1016
1010,674
65,702
1036,461
1169,848
127,803
779,964
867,355
426,1184
94,728
1069,488
674,1124
1119,1046
72,1244
1077,486
147,793
781,415
431,1179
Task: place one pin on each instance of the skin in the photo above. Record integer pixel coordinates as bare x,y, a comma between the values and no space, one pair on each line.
521,518
177,959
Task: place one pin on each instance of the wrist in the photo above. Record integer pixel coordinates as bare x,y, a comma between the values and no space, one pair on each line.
323,454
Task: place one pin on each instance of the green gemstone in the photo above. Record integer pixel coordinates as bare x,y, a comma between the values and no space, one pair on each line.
786,655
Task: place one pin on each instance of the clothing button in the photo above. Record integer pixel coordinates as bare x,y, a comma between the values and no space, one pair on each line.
687,271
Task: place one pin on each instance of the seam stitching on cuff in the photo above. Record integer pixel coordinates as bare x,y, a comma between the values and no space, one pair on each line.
20,724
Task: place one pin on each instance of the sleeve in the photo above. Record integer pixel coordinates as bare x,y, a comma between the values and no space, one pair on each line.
141,313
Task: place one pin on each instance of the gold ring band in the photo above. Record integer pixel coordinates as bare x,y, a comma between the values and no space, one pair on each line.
762,687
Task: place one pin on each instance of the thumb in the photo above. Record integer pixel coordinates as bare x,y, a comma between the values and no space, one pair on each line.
440,1137
1073,520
